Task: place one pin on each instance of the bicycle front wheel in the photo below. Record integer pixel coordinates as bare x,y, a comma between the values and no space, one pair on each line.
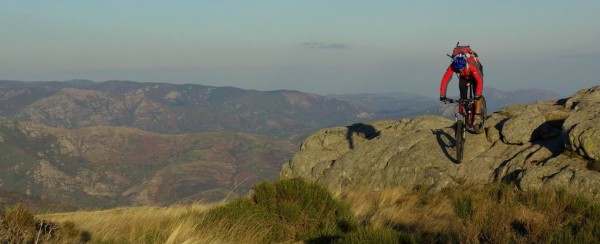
459,136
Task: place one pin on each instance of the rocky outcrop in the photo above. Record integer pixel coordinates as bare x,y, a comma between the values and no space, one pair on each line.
583,124
544,144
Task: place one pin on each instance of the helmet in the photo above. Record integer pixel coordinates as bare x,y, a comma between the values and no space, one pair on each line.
459,61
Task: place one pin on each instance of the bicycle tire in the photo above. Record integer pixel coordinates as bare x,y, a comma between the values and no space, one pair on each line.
459,136
483,113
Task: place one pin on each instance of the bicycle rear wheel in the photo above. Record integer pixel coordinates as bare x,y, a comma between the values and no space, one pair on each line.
483,114
459,136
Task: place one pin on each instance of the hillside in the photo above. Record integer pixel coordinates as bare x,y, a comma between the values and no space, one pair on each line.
170,108
547,144
110,166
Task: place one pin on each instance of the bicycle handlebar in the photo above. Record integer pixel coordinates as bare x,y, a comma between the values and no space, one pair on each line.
450,100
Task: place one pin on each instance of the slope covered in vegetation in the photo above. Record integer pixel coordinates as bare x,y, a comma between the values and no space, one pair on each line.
294,210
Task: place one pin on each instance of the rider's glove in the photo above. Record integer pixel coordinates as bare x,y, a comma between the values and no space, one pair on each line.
443,99
477,97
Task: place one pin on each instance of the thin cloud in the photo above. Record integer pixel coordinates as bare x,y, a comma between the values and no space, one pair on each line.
583,56
322,45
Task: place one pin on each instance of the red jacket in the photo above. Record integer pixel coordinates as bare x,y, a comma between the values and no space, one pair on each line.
470,73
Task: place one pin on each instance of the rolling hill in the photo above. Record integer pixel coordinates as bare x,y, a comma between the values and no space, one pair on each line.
104,166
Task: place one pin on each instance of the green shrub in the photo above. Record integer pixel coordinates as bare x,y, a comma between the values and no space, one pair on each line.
285,210
538,200
592,217
574,233
464,207
593,213
577,204
579,230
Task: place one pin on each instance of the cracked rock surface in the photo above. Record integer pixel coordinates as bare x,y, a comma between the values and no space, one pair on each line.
544,144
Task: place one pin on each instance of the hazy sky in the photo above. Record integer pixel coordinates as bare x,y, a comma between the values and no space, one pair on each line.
320,46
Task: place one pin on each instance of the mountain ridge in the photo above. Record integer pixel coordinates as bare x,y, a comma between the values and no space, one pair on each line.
399,105
170,108
188,108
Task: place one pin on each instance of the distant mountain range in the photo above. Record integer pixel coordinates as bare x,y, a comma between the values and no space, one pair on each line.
176,109
170,108
83,144
394,105
400,105
497,99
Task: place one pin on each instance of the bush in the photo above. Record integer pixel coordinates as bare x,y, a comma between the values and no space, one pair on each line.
579,230
577,204
285,210
18,225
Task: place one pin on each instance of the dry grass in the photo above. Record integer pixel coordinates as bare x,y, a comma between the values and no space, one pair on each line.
287,210
399,208
496,213
174,224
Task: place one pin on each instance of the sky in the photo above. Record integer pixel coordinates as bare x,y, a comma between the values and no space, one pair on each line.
317,46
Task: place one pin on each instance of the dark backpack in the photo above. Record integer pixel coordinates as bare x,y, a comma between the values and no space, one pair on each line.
472,57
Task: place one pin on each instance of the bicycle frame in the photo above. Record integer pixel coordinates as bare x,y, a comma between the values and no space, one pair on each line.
464,115
466,108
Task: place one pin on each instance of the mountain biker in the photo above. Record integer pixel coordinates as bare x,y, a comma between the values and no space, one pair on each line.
468,74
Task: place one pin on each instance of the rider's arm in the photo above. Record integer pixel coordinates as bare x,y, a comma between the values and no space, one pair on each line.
445,79
478,79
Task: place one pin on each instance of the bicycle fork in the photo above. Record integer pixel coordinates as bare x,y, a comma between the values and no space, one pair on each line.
464,131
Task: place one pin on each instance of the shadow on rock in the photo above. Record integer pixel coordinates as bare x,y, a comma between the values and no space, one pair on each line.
445,141
548,130
363,130
548,136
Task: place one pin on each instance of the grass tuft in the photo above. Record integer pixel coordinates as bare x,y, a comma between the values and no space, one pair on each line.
18,225
281,211
464,207
377,235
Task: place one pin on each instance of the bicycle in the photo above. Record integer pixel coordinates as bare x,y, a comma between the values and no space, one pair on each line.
465,118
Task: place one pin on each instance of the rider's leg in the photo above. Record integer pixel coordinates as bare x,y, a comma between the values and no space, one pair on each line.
478,102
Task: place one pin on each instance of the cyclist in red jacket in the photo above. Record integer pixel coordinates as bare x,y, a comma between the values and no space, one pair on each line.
467,73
